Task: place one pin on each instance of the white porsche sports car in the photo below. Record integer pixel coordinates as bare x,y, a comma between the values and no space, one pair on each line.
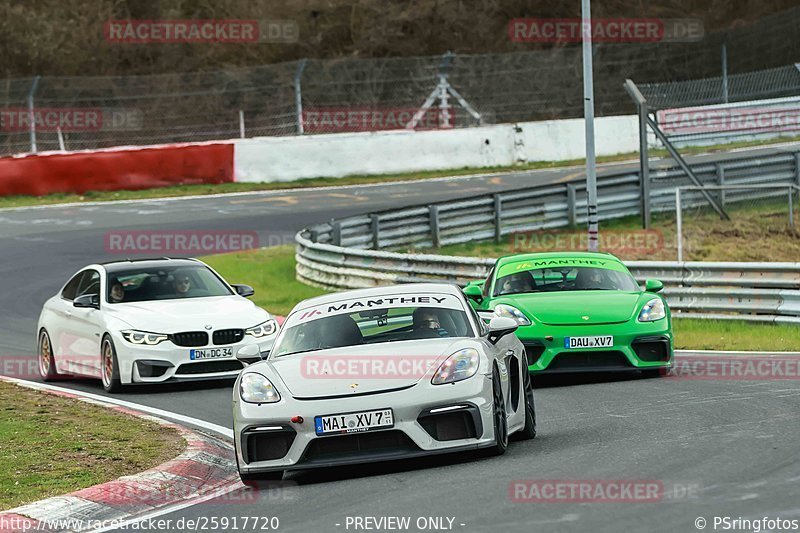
379,374
151,321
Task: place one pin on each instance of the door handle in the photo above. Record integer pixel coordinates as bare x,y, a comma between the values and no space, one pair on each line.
68,313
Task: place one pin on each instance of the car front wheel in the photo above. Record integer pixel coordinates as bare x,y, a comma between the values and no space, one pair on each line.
109,367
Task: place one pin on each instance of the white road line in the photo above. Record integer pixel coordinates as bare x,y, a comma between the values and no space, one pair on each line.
214,428
225,489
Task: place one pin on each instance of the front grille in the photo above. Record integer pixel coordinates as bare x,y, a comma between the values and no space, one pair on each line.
266,445
652,349
209,367
450,426
227,336
189,338
586,359
533,352
345,446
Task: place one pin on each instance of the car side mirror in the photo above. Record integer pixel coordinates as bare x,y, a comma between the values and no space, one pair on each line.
250,354
653,285
499,327
243,290
473,292
87,300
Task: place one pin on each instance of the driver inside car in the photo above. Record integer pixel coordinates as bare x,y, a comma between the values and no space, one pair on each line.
428,324
518,283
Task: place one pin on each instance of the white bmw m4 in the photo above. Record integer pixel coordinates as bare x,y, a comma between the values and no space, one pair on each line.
380,374
151,321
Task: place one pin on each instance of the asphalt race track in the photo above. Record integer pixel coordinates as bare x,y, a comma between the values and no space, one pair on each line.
717,447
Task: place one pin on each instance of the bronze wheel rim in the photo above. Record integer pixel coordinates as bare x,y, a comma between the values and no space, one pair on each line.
44,354
107,363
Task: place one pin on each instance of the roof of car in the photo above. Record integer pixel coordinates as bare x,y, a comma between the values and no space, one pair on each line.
556,255
407,288
126,264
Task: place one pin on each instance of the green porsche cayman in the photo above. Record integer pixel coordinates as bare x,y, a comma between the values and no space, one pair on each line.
578,311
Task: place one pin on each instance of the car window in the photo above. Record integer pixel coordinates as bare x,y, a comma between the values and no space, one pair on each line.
140,284
90,283
564,279
374,326
68,293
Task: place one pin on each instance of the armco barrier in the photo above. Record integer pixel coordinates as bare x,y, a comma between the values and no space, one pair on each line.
348,253
116,169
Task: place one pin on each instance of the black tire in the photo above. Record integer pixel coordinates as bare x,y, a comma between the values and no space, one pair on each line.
529,431
44,354
499,417
109,366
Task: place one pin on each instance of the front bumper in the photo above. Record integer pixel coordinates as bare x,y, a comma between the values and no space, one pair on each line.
166,362
637,346
266,440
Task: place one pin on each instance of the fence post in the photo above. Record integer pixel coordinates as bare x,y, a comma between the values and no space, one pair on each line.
241,124
572,209
61,145
433,213
791,207
375,227
31,116
797,168
721,182
498,218
336,233
679,223
644,156
298,94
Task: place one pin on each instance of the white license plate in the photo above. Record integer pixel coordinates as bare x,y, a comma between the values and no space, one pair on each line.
354,422
599,341
210,353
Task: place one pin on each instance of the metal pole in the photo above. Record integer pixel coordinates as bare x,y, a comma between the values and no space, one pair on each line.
61,145
241,124
298,95
588,112
679,221
725,72
31,116
791,207
644,157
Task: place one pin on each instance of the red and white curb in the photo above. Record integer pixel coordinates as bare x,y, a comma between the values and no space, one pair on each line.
206,470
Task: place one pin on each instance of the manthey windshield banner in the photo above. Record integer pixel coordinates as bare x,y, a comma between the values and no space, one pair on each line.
442,301
568,262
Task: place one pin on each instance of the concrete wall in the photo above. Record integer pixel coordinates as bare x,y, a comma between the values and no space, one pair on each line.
343,154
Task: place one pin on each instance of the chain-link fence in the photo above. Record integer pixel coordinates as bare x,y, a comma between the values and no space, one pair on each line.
352,94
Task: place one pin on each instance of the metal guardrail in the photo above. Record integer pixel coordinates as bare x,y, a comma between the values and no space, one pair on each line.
348,253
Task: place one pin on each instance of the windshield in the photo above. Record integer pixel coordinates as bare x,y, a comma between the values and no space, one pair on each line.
374,326
565,279
163,283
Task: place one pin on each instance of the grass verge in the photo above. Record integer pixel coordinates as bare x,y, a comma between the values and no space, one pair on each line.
757,231
271,273
51,445
192,190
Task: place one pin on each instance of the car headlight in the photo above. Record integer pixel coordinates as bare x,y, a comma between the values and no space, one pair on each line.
509,311
461,365
264,329
143,337
255,388
653,310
